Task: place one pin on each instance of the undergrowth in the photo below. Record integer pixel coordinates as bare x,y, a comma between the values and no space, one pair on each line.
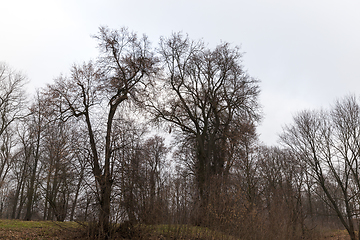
16,229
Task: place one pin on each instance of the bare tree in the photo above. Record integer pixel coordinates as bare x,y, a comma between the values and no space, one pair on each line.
129,175
328,142
122,72
12,102
35,128
57,159
12,96
210,100
80,164
281,184
154,201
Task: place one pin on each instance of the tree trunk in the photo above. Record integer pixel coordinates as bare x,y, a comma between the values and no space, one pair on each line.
30,195
76,194
16,198
105,197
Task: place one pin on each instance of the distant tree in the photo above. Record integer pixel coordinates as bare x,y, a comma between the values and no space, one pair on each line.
328,142
154,200
8,157
32,138
60,174
12,96
129,175
80,165
12,103
281,183
20,171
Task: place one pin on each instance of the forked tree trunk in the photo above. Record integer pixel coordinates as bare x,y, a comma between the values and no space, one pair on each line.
104,177
105,197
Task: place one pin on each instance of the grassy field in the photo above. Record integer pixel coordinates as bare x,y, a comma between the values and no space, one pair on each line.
185,232
16,229
335,235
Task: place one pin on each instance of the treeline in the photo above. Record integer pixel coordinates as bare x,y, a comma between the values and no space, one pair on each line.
168,136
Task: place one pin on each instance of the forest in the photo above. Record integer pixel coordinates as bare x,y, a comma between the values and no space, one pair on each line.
147,135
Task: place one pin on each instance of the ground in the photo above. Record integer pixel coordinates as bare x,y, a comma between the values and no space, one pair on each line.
336,235
30,230
15,229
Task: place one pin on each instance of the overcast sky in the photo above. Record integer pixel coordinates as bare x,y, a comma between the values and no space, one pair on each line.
305,53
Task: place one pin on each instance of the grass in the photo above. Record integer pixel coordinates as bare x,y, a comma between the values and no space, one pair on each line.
30,230
14,224
186,232
335,234
16,229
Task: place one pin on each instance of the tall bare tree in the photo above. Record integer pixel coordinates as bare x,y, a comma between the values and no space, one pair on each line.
209,100
94,92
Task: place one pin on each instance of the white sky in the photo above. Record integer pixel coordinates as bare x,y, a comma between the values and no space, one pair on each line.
306,53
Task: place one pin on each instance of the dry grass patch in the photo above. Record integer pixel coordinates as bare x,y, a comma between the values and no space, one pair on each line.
16,229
